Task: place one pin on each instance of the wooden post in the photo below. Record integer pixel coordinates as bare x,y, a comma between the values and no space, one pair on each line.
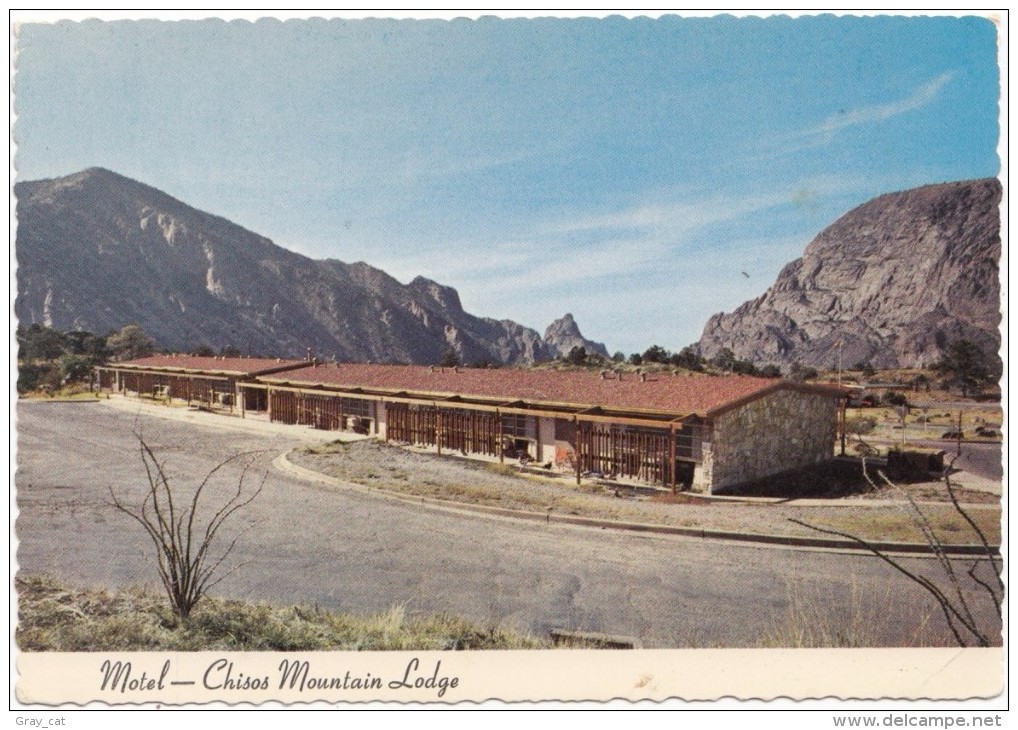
438,429
671,453
498,445
241,399
578,438
843,403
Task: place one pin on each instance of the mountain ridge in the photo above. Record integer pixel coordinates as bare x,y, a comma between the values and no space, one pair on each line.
97,250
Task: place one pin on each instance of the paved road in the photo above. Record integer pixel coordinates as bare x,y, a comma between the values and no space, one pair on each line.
982,459
345,550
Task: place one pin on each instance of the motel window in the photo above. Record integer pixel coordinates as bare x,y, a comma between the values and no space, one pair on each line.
565,430
519,426
358,408
689,442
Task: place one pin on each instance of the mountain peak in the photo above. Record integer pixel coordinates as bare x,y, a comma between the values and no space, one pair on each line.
891,283
97,250
564,334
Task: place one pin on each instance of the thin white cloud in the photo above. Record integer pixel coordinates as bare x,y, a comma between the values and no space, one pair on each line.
584,248
673,218
824,133
919,98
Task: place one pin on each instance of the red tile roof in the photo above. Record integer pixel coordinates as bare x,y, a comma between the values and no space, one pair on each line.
661,392
213,365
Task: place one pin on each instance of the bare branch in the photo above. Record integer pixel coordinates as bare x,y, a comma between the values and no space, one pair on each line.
186,559
950,612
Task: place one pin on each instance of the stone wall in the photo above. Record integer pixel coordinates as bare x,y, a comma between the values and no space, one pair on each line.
781,431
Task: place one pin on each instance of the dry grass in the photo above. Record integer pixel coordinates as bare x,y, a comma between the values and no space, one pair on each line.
896,525
54,617
330,447
813,620
75,392
407,472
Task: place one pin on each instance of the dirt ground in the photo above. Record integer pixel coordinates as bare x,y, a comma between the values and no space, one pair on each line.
882,515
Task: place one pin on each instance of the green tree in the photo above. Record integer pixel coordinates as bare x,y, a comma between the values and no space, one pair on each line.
636,359
450,358
965,366
724,360
894,398
656,353
577,355
687,358
33,375
75,368
130,343
39,342
744,367
800,372
619,356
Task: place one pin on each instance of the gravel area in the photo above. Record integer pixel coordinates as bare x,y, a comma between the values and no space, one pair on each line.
408,471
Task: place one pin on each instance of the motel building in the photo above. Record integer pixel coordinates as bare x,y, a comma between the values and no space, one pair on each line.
676,431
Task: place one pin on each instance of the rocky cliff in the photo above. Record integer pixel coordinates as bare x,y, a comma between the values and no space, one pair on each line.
564,334
97,250
895,281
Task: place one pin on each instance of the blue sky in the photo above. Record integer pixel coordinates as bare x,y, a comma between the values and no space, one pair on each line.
642,173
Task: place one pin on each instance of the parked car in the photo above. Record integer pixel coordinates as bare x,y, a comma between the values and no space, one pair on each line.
953,434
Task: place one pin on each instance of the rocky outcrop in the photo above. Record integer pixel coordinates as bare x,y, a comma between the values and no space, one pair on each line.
894,281
97,250
564,334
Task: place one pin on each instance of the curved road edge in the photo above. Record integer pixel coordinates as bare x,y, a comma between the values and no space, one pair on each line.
283,463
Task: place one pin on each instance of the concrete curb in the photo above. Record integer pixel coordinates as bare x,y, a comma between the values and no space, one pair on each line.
283,463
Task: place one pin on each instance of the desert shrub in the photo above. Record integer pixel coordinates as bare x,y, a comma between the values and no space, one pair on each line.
860,425
185,531
38,375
